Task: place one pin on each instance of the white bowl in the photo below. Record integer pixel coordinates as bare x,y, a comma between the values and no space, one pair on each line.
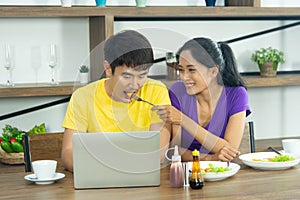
212,176
291,146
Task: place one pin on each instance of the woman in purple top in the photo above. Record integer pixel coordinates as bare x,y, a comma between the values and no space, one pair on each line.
210,104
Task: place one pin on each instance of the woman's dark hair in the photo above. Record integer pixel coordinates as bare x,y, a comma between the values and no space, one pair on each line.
210,54
128,48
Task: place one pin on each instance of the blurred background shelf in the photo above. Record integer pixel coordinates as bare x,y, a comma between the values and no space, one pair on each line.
150,11
39,89
67,88
257,81
280,80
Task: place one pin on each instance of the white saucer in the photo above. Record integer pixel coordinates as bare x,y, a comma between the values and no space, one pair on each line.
32,178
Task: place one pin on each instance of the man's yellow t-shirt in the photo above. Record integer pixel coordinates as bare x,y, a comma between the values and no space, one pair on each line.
92,110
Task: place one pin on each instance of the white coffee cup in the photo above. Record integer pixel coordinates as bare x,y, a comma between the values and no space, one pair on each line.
44,169
291,146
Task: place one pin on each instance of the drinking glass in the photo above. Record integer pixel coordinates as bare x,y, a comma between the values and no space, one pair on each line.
8,65
53,63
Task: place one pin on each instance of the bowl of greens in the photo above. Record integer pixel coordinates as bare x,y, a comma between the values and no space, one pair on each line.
216,170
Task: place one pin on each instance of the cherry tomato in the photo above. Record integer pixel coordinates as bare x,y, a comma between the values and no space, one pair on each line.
12,140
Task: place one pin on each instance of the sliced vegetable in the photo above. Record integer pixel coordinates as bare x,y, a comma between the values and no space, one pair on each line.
282,158
215,169
278,158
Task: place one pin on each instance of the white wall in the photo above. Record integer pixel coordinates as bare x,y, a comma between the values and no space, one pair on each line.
30,39
275,110
110,2
52,116
178,32
264,3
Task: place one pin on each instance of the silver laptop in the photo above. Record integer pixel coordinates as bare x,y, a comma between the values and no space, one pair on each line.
105,160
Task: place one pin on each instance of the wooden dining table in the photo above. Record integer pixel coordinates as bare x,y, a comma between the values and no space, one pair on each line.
248,183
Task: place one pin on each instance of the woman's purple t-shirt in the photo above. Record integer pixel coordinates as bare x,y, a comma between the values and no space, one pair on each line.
232,101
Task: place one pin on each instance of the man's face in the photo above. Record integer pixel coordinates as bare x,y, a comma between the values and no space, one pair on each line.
126,81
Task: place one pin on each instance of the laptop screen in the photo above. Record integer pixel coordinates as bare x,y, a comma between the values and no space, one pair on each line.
116,159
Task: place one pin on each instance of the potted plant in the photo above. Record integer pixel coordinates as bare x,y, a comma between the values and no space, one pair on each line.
268,60
84,74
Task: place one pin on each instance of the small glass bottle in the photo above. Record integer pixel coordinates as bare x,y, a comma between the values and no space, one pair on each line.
172,69
196,180
176,170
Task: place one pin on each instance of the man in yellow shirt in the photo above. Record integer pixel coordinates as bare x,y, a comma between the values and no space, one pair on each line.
106,105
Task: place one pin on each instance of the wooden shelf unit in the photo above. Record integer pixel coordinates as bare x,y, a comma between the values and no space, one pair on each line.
101,23
236,12
39,90
67,88
259,82
280,80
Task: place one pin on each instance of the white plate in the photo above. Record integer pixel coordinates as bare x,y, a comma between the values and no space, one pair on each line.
32,178
247,160
211,176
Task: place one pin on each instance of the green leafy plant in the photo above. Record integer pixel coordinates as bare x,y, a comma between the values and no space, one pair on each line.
269,54
83,69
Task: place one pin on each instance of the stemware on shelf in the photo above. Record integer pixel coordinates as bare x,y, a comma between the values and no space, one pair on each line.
53,63
8,65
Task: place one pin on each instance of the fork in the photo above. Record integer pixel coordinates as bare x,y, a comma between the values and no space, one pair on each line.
228,163
237,154
136,97
272,149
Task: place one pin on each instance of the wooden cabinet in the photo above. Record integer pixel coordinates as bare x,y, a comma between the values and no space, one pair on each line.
101,24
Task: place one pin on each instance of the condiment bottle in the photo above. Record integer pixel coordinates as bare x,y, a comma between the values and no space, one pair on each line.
196,179
176,170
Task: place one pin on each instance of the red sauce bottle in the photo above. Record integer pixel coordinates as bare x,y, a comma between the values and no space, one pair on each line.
176,170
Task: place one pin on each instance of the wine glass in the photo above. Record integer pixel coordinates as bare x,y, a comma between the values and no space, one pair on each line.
53,63
8,65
